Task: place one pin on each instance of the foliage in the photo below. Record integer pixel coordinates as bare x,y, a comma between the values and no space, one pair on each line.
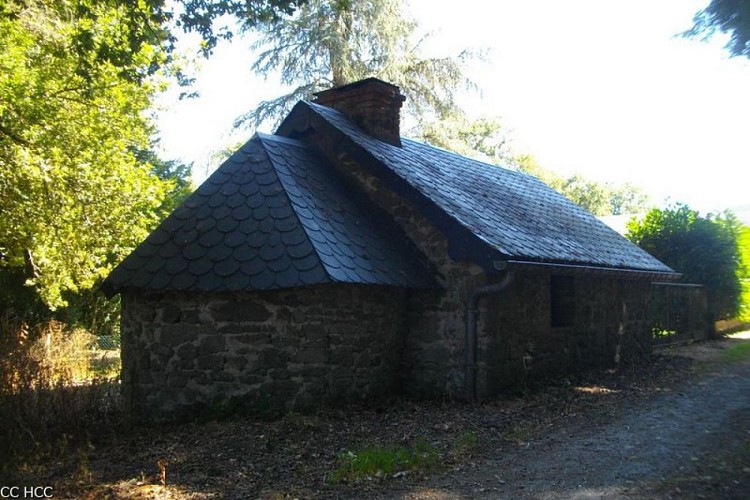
590,195
627,199
177,174
380,460
465,444
598,198
44,402
704,249
333,42
744,249
74,195
100,35
725,16
203,16
483,139
146,22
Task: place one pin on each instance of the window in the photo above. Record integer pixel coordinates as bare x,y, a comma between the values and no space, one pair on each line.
562,301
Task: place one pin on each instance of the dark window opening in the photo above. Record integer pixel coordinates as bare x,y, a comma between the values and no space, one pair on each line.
562,301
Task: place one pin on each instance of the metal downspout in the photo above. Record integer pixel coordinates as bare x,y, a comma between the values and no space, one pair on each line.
472,312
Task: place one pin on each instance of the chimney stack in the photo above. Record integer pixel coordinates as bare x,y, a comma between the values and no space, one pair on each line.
372,104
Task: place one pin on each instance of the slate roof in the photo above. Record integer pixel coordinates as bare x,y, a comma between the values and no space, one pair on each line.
274,215
513,215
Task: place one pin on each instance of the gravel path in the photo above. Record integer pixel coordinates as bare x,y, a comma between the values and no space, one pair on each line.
668,436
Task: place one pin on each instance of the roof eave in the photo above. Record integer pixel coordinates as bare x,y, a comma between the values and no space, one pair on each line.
583,269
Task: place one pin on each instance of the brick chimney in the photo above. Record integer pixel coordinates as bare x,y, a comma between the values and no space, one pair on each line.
372,104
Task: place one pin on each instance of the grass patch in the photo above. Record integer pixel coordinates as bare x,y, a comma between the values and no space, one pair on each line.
465,443
739,352
386,460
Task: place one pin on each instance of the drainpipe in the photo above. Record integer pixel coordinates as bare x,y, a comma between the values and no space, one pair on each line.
472,313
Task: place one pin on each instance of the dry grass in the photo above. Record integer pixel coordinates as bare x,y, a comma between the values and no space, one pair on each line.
53,393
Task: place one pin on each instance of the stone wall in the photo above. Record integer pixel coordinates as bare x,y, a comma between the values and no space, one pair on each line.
518,345
184,354
433,359
516,341
275,351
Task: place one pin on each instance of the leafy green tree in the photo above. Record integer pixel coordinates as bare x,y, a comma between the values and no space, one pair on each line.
725,16
744,249
74,196
528,164
591,195
328,43
176,174
206,17
627,199
704,249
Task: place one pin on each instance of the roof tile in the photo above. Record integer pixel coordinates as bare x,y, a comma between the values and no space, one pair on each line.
512,213
272,216
200,267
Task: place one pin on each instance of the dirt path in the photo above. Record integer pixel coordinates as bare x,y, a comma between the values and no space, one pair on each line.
653,447
678,427
669,438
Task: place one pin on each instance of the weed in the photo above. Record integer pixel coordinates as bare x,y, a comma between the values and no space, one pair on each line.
736,353
49,397
386,460
520,433
464,443
83,472
427,456
162,465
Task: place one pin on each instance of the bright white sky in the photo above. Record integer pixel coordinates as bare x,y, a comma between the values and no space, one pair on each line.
601,88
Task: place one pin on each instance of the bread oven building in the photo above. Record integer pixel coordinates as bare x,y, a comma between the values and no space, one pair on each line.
336,261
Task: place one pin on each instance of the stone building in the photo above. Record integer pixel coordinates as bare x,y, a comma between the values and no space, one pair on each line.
336,261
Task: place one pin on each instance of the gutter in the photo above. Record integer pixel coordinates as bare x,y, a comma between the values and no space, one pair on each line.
641,274
472,310
472,313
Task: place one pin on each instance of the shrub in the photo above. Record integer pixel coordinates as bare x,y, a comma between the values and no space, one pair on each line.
49,393
744,247
705,250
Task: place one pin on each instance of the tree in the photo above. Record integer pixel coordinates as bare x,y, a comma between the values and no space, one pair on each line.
627,199
744,249
328,43
484,138
176,174
79,182
704,249
201,16
74,196
591,195
726,16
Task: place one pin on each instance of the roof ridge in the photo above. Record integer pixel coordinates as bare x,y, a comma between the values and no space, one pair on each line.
428,145
517,216
281,139
464,158
322,249
289,178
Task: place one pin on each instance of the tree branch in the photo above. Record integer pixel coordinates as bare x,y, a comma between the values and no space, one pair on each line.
13,136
